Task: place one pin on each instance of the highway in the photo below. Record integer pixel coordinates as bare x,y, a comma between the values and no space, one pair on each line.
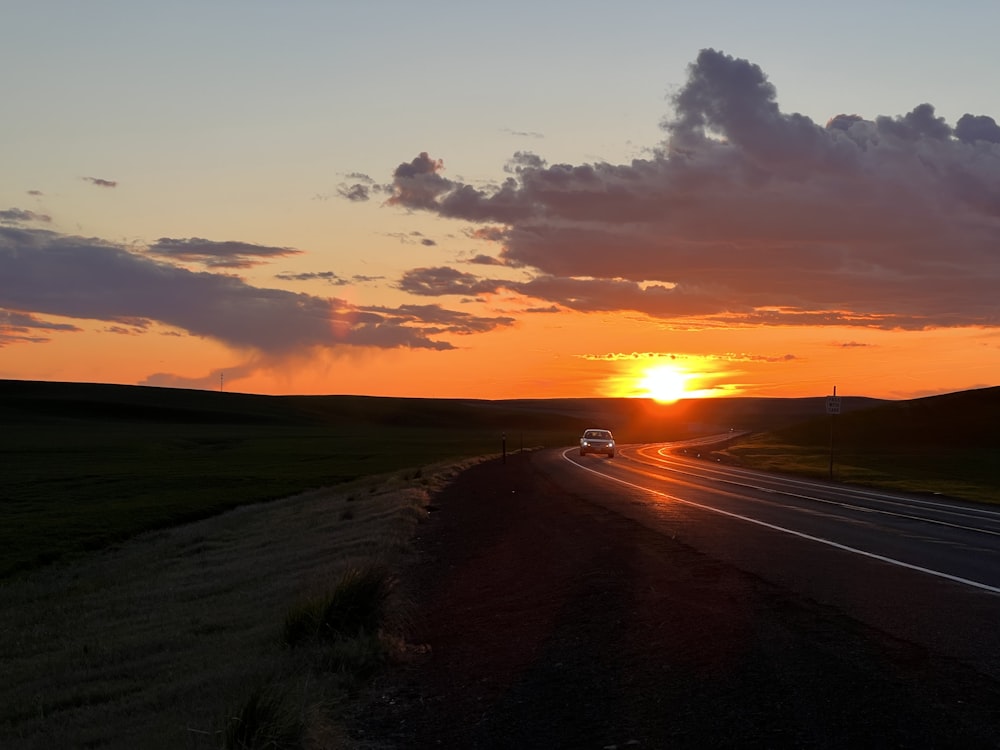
921,568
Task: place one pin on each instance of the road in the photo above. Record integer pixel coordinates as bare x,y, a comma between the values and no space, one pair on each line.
656,600
926,569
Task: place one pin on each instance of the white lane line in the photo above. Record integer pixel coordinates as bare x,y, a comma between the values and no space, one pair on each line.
672,462
708,473
792,532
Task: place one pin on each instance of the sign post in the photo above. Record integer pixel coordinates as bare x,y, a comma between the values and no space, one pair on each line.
833,409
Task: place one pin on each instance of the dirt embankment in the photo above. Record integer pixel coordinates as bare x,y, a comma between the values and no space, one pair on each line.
553,622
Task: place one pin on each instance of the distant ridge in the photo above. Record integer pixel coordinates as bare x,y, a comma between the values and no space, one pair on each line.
633,420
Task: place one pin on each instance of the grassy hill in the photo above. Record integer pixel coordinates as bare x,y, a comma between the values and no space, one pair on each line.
945,444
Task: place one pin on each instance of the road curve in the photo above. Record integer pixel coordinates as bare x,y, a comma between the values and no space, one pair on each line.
654,600
926,569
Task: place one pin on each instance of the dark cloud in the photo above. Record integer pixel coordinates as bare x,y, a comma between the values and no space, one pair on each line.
360,188
356,192
843,122
19,328
100,182
418,184
36,193
484,260
328,276
749,215
20,216
971,128
918,124
489,233
440,320
226,254
440,281
522,160
48,273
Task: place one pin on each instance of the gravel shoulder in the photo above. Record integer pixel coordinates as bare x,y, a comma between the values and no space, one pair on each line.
539,619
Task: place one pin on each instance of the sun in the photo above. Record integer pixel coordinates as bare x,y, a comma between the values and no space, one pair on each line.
664,383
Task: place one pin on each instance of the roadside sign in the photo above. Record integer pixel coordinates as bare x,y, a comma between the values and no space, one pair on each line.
833,404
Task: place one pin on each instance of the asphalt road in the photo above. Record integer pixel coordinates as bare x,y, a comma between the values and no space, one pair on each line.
926,569
658,601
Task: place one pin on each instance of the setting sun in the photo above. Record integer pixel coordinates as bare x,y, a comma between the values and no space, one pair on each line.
664,383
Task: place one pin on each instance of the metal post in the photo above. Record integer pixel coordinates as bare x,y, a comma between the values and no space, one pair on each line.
833,416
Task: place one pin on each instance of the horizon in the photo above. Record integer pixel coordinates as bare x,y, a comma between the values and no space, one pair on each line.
349,201
658,402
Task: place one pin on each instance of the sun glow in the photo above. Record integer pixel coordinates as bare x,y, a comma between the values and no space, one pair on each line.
664,383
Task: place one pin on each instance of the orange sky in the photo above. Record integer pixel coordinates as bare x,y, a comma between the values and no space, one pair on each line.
749,251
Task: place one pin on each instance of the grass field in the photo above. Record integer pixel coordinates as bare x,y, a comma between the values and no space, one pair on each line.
87,466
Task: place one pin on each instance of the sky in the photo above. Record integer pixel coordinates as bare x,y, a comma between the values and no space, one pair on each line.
502,200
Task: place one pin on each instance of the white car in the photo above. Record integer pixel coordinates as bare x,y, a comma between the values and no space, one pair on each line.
597,441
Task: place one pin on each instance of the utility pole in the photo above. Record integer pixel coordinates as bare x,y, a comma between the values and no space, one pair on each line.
222,377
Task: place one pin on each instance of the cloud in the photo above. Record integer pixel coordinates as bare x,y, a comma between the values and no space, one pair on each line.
673,357
523,133
211,254
484,260
328,276
748,215
971,128
48,273
18,328
20,216
356,192
440,320
100,182
434,282
361,189
852,345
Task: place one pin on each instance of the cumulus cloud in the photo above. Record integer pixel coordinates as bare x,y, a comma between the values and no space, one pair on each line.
748,214
226,254
971,128
48,273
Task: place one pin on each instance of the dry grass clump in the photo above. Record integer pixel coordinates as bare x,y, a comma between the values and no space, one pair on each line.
357,606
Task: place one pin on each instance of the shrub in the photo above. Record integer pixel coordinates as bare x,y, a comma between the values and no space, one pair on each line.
357,606
263,720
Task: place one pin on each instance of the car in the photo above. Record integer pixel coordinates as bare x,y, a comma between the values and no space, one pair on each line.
597,441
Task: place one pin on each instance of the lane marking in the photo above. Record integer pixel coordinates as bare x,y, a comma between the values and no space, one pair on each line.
708,472
867,493
792,532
